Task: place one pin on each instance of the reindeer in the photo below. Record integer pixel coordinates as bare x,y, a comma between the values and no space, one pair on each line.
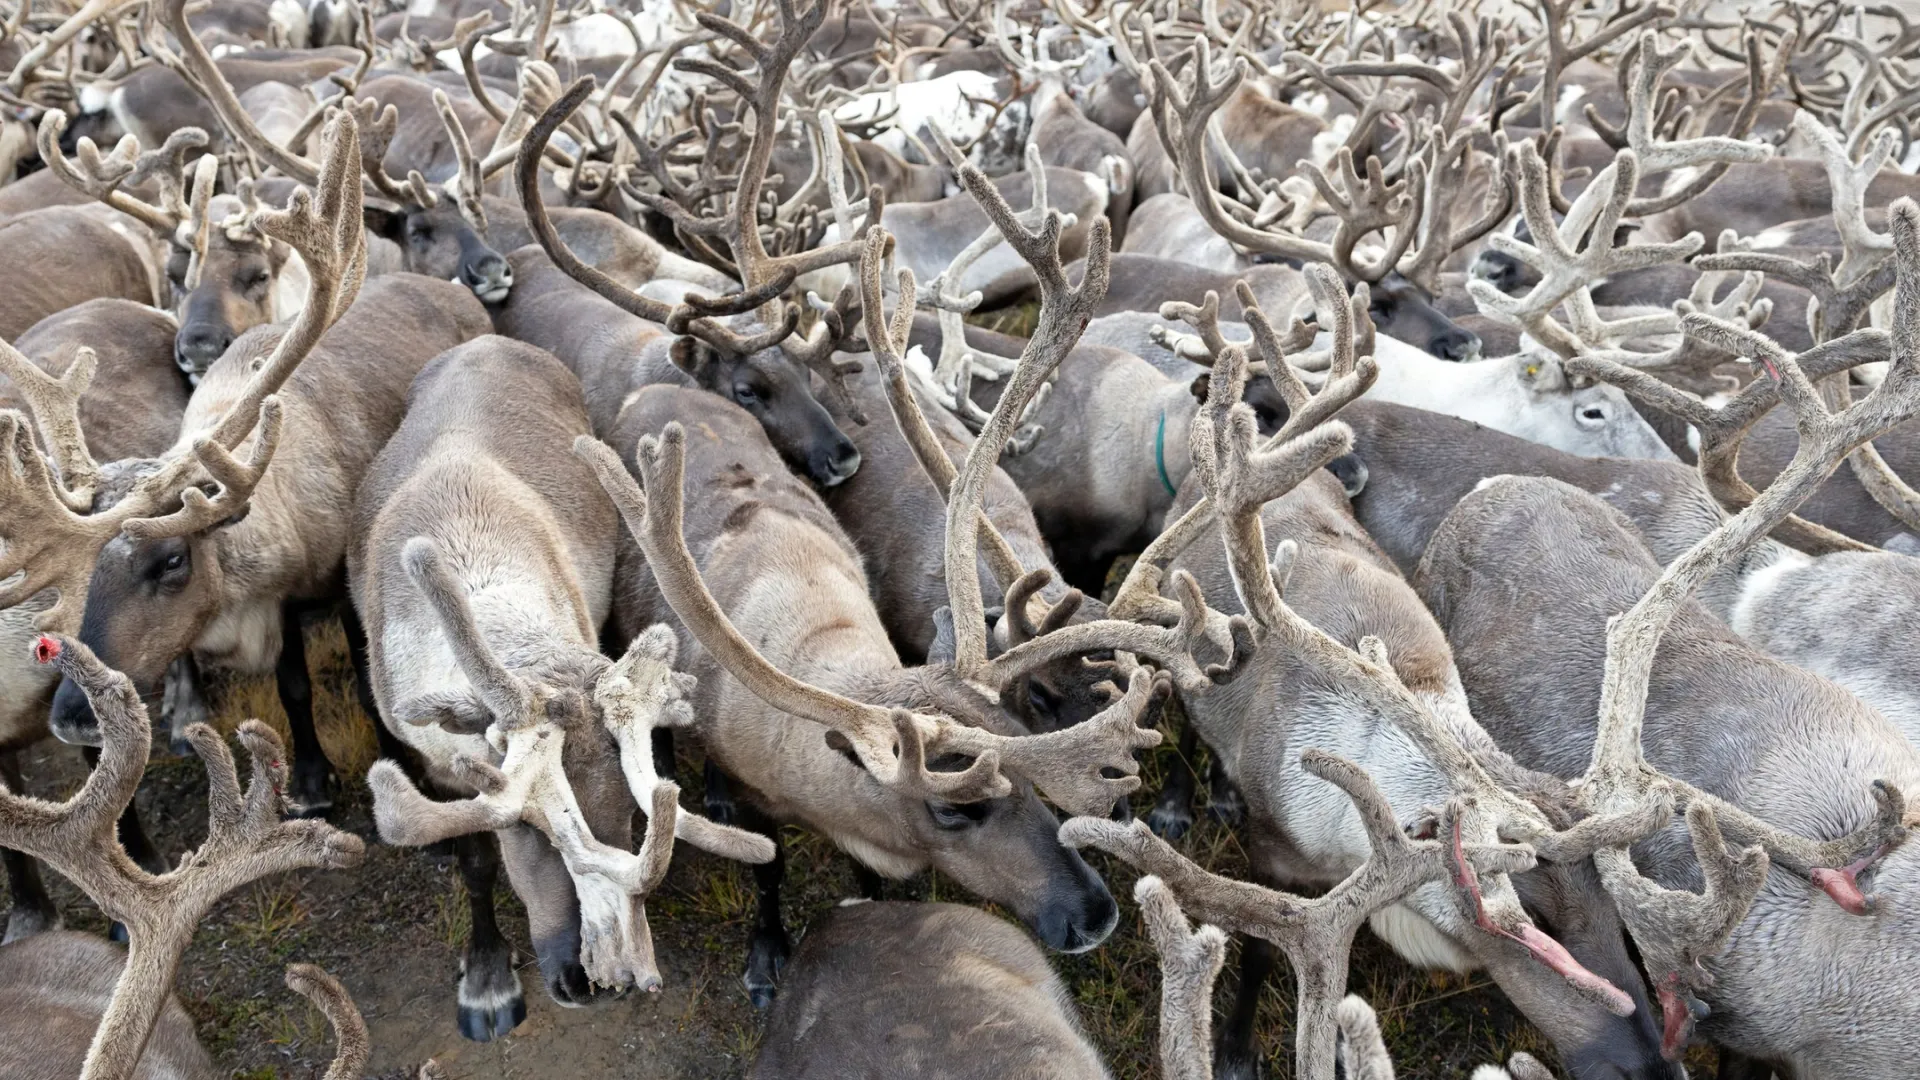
76,256
152,573
482,563
113,356
978,1001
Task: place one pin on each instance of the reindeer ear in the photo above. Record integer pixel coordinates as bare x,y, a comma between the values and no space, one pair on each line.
943,650
838,741
383,218
696,360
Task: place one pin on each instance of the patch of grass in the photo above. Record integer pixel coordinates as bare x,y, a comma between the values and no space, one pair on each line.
452,915
277,911
1018,320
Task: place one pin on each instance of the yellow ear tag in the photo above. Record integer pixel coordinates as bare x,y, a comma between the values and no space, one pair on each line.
1532,370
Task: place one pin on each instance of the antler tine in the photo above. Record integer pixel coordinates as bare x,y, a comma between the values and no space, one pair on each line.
1317,934
55,404
102,177
1189,963
1064,312
468,184
246,840
886,339
349,1030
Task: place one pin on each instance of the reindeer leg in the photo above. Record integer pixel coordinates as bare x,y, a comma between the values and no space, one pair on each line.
1237,1053
33,910
872,885
768,945
184,704
1223,798
717,795
1172,813
310,794
663,753
489,996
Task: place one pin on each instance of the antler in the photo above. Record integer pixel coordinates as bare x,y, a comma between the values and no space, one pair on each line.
1567,268
893,744
56,547
103,176
529,728
1315,934
1842,294
246,841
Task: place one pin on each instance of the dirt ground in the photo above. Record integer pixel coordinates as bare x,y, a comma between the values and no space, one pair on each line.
392,930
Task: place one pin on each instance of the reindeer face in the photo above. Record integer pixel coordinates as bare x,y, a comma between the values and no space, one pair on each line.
779,394
235,293
1008,850
438,242
147,602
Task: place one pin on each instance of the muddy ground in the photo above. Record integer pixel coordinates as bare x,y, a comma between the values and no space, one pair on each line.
392,931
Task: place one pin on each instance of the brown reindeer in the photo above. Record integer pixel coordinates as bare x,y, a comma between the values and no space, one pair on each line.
977,1002
76,256
115,355
159,567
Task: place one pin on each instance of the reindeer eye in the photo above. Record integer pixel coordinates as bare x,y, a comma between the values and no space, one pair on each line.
953,818
745,394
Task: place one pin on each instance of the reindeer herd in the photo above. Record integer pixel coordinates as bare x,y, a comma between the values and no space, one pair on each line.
1443,405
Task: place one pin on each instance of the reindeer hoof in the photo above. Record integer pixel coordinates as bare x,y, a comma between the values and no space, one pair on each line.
570,988
1169,820
311,793
765,957
490,1000
484,1025
1227,808
179,747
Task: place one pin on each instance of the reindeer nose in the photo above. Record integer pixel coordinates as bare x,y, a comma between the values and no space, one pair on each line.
196,347
489,276
1456,344
837,465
